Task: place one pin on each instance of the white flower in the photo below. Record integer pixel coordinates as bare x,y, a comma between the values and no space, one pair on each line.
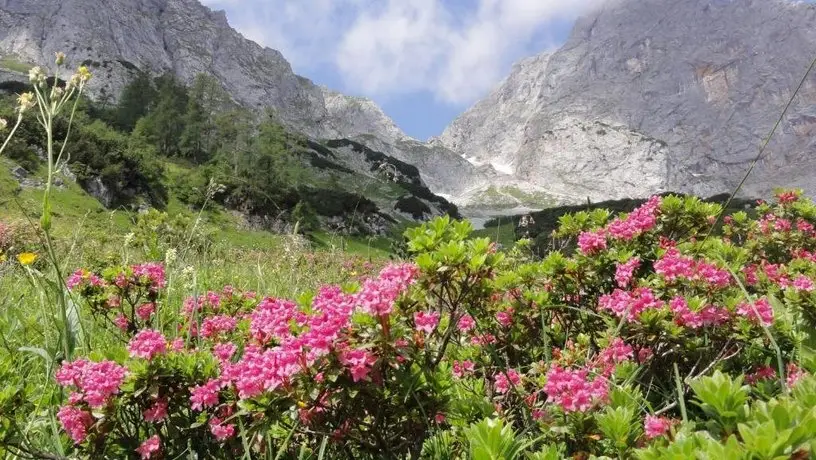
25,101
36,76
170,257
3,124
129,238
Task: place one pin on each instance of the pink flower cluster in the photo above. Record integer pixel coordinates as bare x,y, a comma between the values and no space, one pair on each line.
655,427
624,273
150,274
617,352
759,312
426,321
95,382
203,396
573,390
591,243
629,305
505,380
215,325
150,448
220,430
147,343
760,374
637,222
81,279
378,295
708,316
463,368
673,266
359,363
75,422
466,323
157,412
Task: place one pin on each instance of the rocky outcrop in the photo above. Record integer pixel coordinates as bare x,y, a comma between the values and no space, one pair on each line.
651,95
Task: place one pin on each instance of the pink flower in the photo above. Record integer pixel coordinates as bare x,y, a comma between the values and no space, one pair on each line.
157,412
617,352
637,222
573,391
505,318
147,344
591,243
215,325
672,266
625,272
177,344
206,395
629,305
504,379
439,418
759,312
787,197
221,431
151,274
795,373
149,447
122,323
466,323
96,382
460,369
656,426
75,422
84,279
803,283
271,320
359,363
224,351
145,311
762,373
426,321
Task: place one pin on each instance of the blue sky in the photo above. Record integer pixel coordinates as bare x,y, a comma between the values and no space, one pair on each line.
423,61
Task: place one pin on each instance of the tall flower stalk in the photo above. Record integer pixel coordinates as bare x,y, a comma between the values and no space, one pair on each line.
48,101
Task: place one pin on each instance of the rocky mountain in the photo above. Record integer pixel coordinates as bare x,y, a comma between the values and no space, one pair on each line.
656,95
125,37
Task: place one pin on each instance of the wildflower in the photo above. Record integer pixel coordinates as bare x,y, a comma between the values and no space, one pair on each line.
573,391
145,311
629,305
505,318
206,395
25,101
147,344
170,257
439,418
617,352
121,322
36,76
3,124
654,427
221,431
96,382
59,57
504,379
84,74
224,351
75,422
795,373
151,274
466,323
426,321
177,344
149,447
359,363
27,258
803,283
760,312
157,412
460,369
591,242
625,272
762,373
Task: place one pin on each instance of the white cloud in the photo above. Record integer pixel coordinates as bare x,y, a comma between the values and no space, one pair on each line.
455,49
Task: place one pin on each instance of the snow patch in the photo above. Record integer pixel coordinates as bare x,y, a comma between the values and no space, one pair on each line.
504,168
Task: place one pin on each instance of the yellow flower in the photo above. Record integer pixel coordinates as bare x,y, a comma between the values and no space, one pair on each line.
27,258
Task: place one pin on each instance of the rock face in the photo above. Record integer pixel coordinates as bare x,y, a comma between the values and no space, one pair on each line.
653,95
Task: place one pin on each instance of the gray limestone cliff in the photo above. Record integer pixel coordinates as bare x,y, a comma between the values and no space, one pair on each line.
654,95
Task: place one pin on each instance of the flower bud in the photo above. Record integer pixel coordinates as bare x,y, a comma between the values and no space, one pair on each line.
25,101
36,76
84,74
60,57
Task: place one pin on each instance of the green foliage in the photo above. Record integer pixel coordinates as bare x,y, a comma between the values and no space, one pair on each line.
493,439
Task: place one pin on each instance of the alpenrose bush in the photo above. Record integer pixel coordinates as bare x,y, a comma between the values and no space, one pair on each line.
652,338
